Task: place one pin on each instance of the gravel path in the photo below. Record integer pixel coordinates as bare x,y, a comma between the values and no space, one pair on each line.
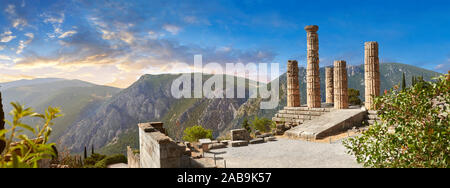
286,153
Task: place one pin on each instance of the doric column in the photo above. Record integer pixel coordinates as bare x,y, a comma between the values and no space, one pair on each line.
340,85
371,74
329,92
312,69
293,87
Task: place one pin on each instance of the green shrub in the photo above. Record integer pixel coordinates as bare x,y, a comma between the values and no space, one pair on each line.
261,124
93,159
194,133
353,97
118,158
415,129
246,126
21,151
102,161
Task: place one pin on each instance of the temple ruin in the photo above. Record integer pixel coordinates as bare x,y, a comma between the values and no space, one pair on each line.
329,85
312,69
371,74
340,85
293,87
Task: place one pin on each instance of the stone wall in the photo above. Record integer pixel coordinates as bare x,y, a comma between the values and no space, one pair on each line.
158,150
239,134
133,158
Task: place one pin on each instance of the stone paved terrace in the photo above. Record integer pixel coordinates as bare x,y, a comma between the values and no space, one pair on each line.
328,124
286,153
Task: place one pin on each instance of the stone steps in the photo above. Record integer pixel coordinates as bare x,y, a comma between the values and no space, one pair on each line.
329,124
288,120
298,115
308,109
373,117
371,122
296,112
372,112
293,116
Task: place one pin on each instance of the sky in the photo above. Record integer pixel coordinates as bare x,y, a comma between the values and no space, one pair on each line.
113,43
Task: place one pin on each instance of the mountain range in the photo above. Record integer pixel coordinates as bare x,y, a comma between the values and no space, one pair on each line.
107,117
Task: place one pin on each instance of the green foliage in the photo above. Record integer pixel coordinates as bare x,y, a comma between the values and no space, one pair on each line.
246,125
415,131
102,161
194,133
353,97
261,124
93,159
26,152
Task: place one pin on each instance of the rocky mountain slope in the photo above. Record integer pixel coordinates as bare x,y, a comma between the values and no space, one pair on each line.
77,99
107,118
220,115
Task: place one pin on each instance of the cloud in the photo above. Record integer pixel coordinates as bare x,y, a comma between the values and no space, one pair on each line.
173,29
67,34
2,47
6,37
18,21
4,57
55,19
23,44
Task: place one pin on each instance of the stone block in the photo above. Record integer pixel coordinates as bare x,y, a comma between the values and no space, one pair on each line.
226,142
271,138
240,134
217,146
257,141
239,143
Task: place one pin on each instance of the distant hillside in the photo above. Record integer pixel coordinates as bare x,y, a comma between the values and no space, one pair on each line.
77,99
148,99
107,117
113,126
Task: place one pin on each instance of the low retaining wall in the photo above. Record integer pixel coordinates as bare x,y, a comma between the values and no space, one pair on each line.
133,158
158,150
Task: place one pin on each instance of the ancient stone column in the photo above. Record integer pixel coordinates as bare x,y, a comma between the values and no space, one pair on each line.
340,85
329,88
312,69
371,74
293,87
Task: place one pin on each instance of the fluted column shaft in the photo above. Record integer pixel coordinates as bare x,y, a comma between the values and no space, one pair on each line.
371,74
340,85
293,87
312,69
329,88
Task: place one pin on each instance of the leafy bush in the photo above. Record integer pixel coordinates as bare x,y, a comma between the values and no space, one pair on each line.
93,159
118,158
102,161
26,152
246,126
414,132
194,133
261,124
353,97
